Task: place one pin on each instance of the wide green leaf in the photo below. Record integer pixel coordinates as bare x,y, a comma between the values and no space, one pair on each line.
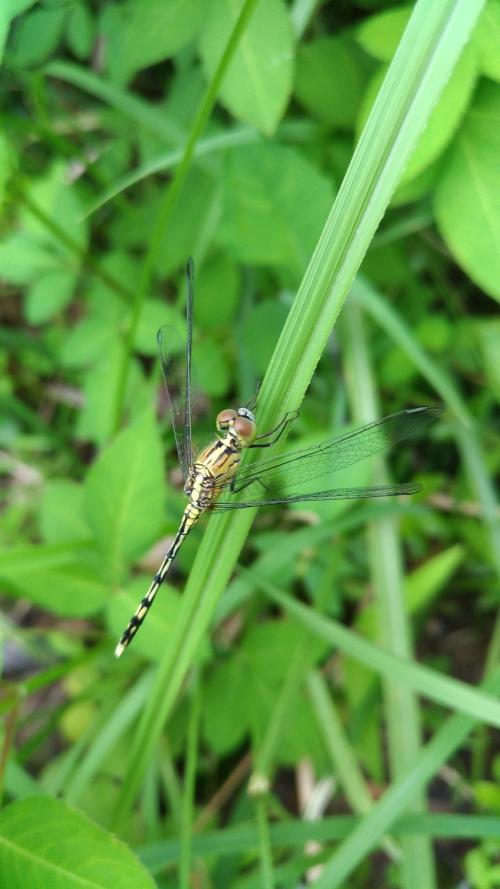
486,40
61,512
37,36
379,35
95,420
23,258
155,30
488,334
48,295
258,82
240,694
46,843
467,198
329,80
60,201
124,495
275,203
61,579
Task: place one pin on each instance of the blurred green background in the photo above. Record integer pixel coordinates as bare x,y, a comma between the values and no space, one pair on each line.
102,204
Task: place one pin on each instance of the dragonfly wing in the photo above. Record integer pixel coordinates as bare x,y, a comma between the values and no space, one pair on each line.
335,494
294,468
175,355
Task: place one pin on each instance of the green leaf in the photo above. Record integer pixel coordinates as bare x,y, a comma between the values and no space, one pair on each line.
467,197
58,199
257,85
23,258
428,580
211,370
44,842
488,334
58,578
48,295
37,36
416,188
195,217
87,342
80,31
155,30
217,292
263,325
486,40
61,512
445,118
7,164
226,706
95,420
124,495
276,203
380,35
240,694
329,80
154,314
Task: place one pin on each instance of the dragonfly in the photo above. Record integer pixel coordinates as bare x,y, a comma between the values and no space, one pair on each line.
216,480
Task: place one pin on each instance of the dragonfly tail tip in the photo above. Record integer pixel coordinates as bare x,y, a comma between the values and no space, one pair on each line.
119,649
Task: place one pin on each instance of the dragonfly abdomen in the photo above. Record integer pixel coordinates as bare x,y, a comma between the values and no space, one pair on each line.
191,515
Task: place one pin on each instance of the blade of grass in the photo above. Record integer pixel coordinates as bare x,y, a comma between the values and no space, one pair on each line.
442,689
266,860
429,759
465,427
345,763
244,838
264,758
119,722
169,160
185,860
392,322
144,116
430,48
385,560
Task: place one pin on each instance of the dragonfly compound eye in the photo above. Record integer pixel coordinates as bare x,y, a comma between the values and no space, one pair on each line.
245,428
225,418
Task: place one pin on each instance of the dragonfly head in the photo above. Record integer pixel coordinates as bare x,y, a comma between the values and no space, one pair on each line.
240,424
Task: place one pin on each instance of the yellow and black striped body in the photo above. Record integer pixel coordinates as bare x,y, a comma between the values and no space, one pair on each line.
221,458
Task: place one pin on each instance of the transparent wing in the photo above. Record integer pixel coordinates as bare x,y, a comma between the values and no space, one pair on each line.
175,355
335,494
288,471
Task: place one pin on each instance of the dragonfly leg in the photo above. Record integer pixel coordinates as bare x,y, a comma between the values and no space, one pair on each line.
251,481
252,402
277,432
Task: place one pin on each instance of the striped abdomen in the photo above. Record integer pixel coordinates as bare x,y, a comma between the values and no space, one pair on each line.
190,517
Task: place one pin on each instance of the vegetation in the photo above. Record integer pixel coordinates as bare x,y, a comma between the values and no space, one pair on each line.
313,701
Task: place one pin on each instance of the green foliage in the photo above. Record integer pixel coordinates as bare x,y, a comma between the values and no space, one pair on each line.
258,82
123,499
282,145
330,80
275,202
36,851
468,217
